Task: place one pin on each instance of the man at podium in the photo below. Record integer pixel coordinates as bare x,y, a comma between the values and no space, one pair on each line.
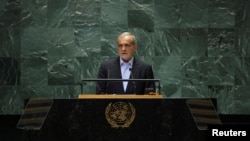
125,66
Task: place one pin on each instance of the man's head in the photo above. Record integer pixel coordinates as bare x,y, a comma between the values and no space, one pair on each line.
126,46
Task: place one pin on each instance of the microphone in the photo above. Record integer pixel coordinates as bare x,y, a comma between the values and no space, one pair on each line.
132,76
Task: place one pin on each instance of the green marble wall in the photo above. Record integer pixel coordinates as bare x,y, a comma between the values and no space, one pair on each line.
198,48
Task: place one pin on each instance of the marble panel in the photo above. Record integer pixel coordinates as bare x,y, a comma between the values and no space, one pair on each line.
194,42
195,47
9,71
242,71
221,42
221,14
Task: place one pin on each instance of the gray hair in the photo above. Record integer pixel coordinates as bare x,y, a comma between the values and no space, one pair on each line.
128,34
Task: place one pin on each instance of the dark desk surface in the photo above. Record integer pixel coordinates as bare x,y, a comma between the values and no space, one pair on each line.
84,119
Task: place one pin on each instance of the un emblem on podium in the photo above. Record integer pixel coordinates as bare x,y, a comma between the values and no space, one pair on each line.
120,114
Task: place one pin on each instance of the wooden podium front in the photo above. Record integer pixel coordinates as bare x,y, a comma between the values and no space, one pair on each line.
107,96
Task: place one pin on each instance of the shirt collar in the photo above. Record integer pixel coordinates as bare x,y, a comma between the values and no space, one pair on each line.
130,62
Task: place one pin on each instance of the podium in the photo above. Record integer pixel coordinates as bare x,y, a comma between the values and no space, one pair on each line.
120,117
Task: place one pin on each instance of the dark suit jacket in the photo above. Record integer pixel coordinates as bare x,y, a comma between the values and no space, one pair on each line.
110,69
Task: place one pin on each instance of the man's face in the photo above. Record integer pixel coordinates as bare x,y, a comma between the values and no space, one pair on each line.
126,48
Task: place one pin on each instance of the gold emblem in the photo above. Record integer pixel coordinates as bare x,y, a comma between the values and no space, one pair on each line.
120,114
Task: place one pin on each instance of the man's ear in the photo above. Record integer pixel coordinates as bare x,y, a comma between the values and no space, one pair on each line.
135,47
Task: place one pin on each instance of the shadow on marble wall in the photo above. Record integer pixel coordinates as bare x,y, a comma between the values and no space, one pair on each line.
197,48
